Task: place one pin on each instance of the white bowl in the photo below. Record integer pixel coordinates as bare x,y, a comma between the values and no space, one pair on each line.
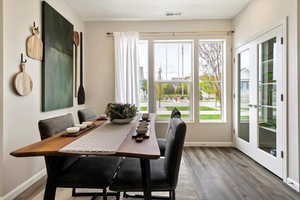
73,129
81,126
88,123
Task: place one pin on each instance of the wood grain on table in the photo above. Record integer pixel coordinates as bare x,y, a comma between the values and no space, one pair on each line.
130,148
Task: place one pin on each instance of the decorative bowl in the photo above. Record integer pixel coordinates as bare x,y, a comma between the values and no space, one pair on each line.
81,126
88,123
121,121
73,129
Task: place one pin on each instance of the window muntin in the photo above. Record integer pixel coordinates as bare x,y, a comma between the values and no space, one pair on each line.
211,55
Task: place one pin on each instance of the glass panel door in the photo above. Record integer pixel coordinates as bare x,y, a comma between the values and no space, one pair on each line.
267,85
244,94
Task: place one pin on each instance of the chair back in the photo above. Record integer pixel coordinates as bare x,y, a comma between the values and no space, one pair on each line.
175,113
86,115
51,127
174,148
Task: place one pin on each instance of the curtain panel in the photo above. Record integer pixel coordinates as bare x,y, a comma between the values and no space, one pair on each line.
126,67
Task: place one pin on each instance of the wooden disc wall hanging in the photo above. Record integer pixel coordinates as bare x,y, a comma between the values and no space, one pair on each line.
22,81
34,44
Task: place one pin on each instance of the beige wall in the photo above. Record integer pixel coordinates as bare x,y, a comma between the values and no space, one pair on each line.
255,19
100,69
23,113
1,94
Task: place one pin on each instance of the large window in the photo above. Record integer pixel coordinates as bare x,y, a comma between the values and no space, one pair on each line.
167,78
211,65
173,77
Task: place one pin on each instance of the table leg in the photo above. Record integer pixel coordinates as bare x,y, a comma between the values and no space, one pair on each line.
146,176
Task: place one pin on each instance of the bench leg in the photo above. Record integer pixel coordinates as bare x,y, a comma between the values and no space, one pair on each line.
50,191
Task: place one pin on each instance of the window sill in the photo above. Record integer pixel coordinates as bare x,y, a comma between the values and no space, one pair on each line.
194,122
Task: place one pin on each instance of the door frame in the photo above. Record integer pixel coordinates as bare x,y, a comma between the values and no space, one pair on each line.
241,144
284,24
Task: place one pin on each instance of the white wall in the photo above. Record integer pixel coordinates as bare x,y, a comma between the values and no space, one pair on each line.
1,89
23,113
256,18
100,69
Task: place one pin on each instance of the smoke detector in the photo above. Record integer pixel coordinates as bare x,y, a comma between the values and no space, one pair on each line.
171,14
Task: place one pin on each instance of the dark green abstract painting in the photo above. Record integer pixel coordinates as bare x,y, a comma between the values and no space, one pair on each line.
57,72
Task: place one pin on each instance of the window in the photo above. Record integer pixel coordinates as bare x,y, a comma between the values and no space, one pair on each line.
167,78
211,64
143,75
173,77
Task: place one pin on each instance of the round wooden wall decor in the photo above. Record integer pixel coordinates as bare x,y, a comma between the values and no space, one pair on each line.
22,81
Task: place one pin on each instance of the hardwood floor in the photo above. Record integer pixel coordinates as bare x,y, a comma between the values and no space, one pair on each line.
210,174
226,173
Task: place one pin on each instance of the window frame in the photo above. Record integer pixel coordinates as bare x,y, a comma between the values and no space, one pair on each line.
223,82
195,102
191,81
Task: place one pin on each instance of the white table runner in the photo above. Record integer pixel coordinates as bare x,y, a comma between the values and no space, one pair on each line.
106,138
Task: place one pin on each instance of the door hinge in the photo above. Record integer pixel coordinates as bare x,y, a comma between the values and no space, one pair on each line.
234,61
282,154
281,40
281,97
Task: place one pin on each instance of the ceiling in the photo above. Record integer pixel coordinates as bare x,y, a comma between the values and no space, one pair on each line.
92,10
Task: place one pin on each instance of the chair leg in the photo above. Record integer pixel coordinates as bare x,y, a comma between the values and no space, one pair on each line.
172,195
118,196
104,194
50,191
73,192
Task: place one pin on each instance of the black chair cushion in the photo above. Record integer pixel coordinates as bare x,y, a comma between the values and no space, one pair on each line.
89,172
129,177
86,115
162,145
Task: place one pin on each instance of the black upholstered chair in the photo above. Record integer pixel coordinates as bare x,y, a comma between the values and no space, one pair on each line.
164,171
86,115
163,141
75,171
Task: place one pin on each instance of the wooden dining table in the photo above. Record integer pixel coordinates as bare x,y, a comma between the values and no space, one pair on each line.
146,150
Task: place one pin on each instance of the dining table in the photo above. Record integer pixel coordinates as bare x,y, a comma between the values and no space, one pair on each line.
98,140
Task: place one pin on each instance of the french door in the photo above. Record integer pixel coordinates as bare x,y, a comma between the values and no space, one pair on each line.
260,100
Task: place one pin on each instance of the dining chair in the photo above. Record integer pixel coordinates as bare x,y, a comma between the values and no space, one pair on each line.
164,171
75,171
86,114
163,141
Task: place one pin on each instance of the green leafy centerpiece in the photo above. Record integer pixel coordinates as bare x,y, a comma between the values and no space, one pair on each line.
121,113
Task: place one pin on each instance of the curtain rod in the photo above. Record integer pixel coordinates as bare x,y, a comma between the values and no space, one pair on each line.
181,33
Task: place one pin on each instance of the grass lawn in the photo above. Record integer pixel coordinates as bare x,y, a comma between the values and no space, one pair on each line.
206,108
210,117
143,108
245,118
187,108
168,116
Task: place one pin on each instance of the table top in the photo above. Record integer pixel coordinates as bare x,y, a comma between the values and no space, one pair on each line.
129,147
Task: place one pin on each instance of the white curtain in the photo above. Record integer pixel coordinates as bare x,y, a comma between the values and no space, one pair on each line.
126,67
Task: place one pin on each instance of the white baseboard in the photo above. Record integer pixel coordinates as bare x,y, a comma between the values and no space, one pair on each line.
293,184
208,144
24,186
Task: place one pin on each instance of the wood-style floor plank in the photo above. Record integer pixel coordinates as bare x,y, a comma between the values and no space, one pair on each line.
210,174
